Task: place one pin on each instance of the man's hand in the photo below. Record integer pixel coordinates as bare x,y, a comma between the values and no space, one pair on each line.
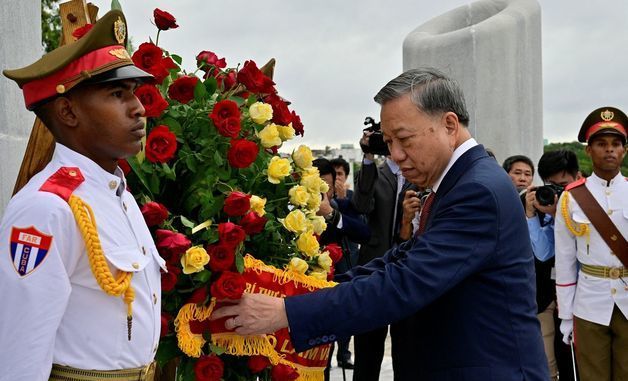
531,203
341,190
566,328
411,205
254,314
325,208
364,142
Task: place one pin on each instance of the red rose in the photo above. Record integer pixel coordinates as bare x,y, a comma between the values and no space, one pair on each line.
198,296
227,81
335,252
229,285
80,32
237,203
182,89
151,99
165,319
221,257
208,61
164,20
209,368
229,127
171,242
242,153
154,213
281,114
258,363
226,118
331,273
169,279
161,145
252,223
124,166
296,124
254,80
230,234
149,58
282,372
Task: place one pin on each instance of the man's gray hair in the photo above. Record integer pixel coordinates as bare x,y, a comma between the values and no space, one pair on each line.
430,90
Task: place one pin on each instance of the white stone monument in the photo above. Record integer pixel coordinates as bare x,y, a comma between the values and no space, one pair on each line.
493,49
20,45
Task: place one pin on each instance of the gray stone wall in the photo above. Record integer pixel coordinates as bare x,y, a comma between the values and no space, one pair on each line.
493,49
20,45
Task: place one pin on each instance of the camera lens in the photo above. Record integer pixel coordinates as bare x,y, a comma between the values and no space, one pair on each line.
545,195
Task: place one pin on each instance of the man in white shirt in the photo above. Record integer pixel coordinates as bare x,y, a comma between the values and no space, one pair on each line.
79,272
592,278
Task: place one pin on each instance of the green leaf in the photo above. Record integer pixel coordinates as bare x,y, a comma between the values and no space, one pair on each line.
190,161
170,175
173,125
215,349
138,170
218,160
153,183
251,99
199,92
202,276
239,262
176,58
167,350
211,85
239,100
185,371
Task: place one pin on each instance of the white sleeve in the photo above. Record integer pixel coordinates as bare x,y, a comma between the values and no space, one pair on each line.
566,264
34,283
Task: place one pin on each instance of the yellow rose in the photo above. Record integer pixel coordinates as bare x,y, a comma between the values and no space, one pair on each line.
324,261
298,265
318,224
257,205
194,260
261,112
286,132
278,169
320,275
295,221
302,157
314,202
323,186
269,136
298,195
312,182
308,244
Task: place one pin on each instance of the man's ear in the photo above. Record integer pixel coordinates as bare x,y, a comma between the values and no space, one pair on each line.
451,122
63,111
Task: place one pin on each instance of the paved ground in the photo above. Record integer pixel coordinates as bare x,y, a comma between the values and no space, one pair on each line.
385,374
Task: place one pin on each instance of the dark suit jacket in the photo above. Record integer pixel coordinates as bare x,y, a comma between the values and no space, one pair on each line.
470,274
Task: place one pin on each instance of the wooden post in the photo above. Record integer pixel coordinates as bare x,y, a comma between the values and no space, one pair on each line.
74,14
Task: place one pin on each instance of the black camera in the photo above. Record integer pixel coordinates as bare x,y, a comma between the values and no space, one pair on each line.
545,194
376,144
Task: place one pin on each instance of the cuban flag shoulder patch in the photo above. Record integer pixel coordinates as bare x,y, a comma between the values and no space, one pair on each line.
29,248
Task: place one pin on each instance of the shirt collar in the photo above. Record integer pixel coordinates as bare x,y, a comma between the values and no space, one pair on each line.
114,182
394,168
464,147
600,181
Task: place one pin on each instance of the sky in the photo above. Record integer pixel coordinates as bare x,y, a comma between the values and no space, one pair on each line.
333,56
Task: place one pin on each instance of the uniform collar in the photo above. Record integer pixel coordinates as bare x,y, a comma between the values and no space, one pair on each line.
112,182
619,178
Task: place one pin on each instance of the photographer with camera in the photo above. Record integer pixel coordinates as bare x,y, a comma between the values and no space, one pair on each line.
556,169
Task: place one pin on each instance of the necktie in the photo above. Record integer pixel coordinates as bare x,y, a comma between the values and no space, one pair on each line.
425,212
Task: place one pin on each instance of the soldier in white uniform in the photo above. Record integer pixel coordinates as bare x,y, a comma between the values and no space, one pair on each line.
591,277
79,271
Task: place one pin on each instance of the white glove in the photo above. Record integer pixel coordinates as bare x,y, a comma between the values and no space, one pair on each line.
566,328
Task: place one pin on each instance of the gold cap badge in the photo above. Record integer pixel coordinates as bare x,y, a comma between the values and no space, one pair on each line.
119,30
607,115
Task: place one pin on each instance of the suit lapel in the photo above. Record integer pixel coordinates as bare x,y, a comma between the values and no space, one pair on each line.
389,176
459,168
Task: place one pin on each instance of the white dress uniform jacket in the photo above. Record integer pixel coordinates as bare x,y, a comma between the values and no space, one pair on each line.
53,311
588,297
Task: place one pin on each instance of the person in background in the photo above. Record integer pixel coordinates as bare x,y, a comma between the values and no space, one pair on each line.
521,171
557,169
79,271
590,235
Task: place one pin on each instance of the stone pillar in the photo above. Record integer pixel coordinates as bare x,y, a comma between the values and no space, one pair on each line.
493,49
20,45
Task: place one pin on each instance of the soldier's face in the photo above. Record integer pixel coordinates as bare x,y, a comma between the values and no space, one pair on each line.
606,152
111,123
419,143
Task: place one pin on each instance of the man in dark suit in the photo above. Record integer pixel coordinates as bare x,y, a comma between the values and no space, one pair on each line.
469,272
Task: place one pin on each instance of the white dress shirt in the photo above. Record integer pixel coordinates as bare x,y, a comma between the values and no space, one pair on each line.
588,297
56,312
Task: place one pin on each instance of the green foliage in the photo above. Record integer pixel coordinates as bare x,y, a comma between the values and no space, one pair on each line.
583,160
50,25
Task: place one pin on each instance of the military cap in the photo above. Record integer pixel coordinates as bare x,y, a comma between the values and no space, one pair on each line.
98,56
604,120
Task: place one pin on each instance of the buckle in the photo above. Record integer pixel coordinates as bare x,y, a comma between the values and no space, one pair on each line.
614,273
148,372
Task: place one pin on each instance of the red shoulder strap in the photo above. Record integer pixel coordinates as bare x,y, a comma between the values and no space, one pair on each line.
63,182
576,183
